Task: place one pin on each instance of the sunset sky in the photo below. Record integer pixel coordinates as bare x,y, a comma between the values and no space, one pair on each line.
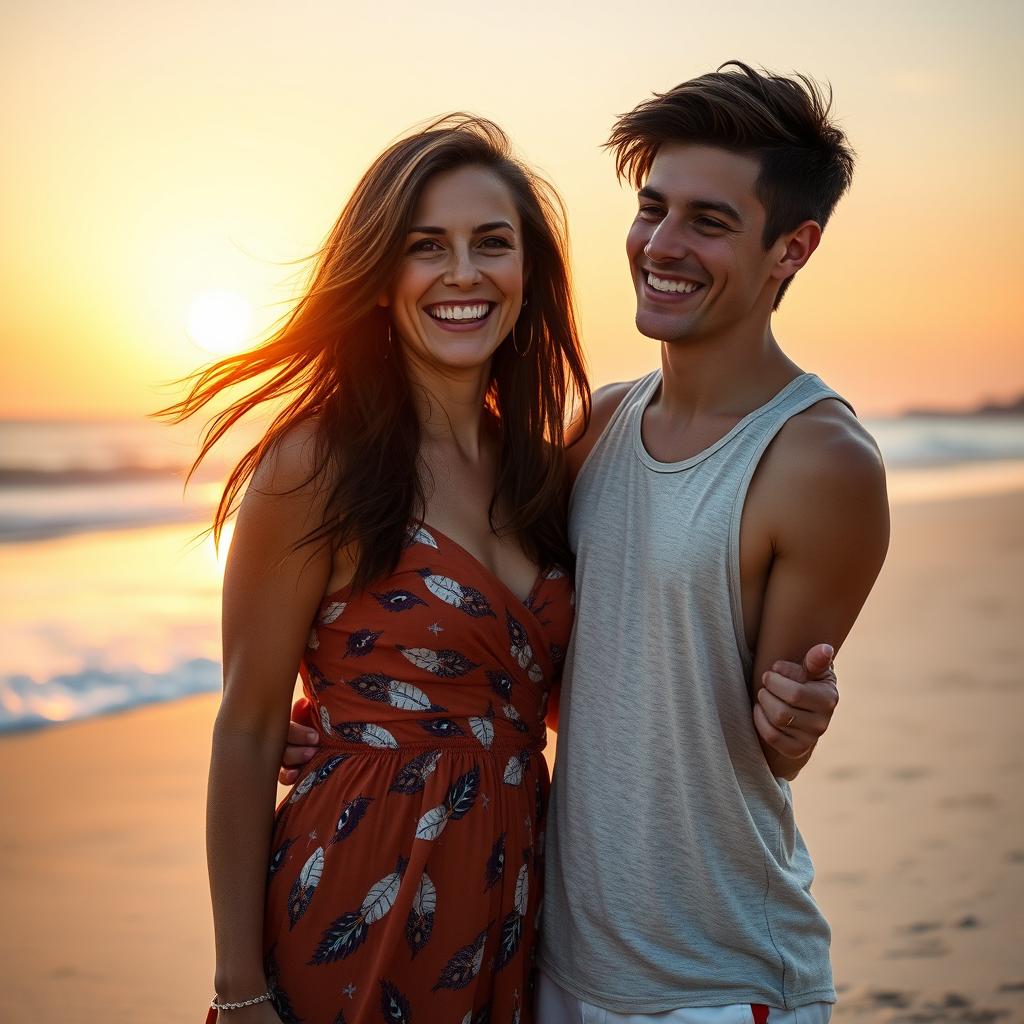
154,152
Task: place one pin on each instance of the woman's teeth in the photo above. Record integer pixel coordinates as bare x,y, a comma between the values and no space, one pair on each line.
659,284
460,312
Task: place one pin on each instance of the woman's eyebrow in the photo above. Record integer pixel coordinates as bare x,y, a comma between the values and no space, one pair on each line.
493,225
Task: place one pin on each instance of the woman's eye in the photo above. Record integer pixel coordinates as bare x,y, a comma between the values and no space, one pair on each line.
425,245
495,242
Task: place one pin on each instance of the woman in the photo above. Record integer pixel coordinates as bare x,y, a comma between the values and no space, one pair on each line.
409,502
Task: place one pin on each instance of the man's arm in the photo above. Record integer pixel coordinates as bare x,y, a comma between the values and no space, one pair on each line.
820,495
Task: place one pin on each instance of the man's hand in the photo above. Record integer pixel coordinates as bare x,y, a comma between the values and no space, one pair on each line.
302,744
795,703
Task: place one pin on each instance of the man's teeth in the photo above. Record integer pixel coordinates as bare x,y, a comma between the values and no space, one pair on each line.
659,284
459,312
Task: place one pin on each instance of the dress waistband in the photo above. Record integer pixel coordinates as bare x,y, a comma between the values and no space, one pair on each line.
473,734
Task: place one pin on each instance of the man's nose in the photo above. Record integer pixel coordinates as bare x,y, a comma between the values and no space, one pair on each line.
666,244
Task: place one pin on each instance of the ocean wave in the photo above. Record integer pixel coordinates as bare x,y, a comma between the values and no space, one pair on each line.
77,476
29,704
942,440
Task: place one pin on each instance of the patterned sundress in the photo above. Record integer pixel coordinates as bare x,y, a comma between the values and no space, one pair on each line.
406,870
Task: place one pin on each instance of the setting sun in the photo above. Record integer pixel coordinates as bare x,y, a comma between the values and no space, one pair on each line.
219,321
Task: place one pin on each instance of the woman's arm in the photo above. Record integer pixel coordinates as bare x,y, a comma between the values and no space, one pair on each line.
271,595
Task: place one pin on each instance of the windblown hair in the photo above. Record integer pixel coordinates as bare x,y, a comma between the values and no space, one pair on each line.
335,360
806,160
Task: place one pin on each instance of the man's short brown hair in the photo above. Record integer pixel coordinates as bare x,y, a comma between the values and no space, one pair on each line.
806,160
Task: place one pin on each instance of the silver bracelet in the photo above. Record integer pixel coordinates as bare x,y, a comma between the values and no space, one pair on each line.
265,998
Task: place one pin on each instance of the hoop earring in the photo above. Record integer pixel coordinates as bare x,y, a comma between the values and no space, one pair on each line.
516,346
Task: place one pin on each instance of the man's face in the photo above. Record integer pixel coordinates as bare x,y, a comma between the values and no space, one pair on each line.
695,249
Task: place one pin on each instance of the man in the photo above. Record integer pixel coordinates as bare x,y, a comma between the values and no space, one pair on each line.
728,511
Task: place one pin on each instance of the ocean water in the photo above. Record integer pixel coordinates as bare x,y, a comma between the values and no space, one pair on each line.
109,588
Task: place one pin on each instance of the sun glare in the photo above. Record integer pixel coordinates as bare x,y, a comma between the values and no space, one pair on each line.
219,321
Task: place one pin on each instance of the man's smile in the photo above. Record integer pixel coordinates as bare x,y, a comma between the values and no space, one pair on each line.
672,285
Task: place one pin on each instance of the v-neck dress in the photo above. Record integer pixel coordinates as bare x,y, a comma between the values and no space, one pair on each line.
406,870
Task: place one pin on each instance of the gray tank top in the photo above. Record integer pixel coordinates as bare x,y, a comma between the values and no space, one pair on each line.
675,872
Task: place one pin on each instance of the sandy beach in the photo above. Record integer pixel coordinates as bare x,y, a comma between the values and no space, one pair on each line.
912,809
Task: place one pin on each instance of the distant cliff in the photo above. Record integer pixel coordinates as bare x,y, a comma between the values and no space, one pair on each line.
1015,407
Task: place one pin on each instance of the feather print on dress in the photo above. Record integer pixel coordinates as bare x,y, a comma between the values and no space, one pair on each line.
318,680
412,776
515,767
520,649
515,718
384,690
398,600
495,867
324,772
419,535
350,816
361,643
482,727
305,885
446,663
366,732
467,599
420,922
458,804
317,778
501,683
278,858
332,612
394,1005
465,965
348,932
442,727
512,926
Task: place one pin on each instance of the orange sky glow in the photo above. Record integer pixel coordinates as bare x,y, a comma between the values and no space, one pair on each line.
157,152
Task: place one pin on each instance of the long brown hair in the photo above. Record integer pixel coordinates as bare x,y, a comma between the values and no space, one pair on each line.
333,359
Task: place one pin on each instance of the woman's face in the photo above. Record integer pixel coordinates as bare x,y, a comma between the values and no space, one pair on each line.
459,284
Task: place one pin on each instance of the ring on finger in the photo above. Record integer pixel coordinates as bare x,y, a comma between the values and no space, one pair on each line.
790,722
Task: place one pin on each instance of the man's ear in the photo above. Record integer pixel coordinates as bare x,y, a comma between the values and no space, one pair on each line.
795,249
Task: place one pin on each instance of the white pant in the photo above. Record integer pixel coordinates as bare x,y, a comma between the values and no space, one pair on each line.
556,1006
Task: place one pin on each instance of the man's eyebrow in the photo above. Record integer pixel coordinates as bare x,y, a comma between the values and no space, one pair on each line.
716,205
650,193
493,225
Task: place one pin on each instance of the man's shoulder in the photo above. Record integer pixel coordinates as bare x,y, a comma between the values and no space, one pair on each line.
822,465
827,441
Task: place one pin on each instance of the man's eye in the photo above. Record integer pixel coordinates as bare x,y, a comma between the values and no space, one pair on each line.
708,224
650,212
